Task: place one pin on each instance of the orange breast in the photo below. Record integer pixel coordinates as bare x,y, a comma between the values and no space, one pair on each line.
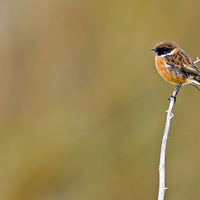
174,77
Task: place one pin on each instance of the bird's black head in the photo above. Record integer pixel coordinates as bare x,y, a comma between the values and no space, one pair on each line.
164,48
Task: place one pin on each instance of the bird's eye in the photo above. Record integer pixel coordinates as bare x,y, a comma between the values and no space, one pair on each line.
165,49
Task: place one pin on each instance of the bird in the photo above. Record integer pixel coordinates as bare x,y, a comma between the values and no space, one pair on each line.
175,65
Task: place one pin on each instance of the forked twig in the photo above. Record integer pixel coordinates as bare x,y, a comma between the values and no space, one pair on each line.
198,60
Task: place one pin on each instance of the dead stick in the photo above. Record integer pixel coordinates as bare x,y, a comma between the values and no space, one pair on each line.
162,187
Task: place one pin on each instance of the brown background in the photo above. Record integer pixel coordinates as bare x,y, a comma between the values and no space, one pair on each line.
82,107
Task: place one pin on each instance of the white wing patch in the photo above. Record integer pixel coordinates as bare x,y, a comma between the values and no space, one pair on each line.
170,66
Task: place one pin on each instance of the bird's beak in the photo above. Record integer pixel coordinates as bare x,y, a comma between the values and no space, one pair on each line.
153,49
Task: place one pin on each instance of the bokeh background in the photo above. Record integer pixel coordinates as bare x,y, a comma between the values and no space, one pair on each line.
82,107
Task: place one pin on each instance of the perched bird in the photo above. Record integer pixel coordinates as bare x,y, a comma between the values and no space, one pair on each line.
175,65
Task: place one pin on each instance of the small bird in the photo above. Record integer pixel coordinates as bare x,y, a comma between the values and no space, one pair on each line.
175,65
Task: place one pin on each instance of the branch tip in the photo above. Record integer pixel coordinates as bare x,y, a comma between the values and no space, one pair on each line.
198,60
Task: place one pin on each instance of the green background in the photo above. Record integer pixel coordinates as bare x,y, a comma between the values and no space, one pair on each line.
82,107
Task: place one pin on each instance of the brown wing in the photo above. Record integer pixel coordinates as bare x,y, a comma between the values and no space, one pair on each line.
181,60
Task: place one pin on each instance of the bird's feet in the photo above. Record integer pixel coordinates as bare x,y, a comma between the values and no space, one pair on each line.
172,97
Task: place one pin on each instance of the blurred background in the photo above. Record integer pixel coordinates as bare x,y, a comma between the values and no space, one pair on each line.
82,107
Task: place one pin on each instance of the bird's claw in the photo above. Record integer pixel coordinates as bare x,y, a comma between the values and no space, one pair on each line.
172,97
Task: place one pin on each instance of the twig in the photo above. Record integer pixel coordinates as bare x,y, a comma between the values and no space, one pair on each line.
162,187
198,60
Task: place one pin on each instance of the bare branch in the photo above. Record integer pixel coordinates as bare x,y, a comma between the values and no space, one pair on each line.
162,187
